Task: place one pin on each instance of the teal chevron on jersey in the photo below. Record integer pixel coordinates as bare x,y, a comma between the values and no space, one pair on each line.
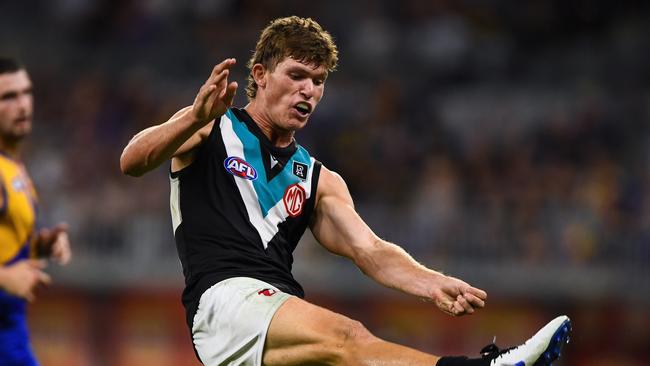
269,193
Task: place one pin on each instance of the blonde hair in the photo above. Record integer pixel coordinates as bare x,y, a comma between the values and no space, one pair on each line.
299,38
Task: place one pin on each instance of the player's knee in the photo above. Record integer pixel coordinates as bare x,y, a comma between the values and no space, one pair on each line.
357,333
351,338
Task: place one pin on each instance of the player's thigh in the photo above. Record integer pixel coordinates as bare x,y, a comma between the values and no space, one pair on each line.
302,333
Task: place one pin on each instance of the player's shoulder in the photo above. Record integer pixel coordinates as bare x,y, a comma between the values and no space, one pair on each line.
331,183
331,176
235,114
8,164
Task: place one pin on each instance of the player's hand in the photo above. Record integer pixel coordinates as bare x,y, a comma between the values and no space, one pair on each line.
54,243
216,95
456,297
23,278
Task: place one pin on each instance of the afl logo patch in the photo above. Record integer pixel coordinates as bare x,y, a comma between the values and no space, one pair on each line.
240,168
294,199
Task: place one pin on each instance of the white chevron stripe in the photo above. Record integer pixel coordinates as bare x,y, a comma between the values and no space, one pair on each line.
174,203
267,226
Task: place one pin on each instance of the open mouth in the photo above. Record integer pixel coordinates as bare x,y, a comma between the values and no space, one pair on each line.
303,108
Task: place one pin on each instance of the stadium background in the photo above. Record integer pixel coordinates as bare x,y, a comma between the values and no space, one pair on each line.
504,142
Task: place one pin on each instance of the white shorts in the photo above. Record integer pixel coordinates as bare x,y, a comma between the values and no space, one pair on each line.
231,322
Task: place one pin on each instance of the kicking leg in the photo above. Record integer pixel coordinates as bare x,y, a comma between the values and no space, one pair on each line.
305,334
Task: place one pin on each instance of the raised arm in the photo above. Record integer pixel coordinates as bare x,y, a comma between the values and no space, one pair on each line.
180,135
338,227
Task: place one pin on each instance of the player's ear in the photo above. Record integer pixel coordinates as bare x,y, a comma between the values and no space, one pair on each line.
259,75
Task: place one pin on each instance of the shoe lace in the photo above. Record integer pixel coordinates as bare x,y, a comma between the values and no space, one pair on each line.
491,351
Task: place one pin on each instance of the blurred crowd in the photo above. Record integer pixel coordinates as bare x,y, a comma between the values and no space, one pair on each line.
467,131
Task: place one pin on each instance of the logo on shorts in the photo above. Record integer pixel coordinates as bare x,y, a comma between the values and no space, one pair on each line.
240,168
267,292
294,199
300,170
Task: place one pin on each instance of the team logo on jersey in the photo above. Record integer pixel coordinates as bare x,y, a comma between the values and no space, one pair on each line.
19,184
294,199
240,168
300,170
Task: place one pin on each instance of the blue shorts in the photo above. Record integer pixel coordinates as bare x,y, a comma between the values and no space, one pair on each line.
14,336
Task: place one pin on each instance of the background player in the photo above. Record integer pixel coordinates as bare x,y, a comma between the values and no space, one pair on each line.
20,274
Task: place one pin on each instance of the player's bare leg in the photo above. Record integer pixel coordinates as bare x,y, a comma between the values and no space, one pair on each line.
305,334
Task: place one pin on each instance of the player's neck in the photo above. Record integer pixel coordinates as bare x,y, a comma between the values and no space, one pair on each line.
277,136
10,148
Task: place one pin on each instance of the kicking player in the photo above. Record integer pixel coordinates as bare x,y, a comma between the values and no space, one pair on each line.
20,273
242,194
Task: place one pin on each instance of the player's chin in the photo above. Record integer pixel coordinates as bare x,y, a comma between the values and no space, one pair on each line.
295,124
21,129
19,134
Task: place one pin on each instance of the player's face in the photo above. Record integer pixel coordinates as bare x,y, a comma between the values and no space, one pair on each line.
16,105
292,92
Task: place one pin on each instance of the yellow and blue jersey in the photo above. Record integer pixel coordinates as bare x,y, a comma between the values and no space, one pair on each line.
17,211
17,222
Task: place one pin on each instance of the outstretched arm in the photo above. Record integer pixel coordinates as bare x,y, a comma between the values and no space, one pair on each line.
181,134
338,227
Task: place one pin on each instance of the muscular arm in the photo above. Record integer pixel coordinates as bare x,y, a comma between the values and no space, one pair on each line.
180,135
338,227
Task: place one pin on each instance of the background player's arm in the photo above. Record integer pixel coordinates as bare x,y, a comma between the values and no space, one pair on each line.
186,130
54,243
3,196
23,278
338,227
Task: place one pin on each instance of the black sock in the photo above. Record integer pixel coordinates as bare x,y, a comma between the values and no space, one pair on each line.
462,361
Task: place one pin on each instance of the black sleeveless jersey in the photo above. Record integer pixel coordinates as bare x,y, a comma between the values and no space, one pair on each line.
240,208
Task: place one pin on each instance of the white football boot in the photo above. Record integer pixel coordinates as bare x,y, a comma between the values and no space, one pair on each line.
542,349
